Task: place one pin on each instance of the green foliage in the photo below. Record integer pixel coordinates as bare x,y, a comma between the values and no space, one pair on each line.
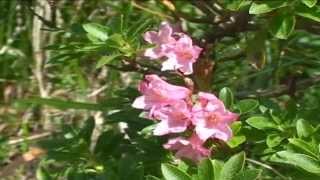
261,58
234,168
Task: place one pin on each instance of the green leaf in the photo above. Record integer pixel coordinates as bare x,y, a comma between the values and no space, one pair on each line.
106,60
97,30
236,5
233,166
61,104
264,7
310,13
148,130
274,140
304,146
304,128
172,173
235,141
250,174
226,96
42,174
205,170
236,127
282,26
299,160
217,167
309,3
261,123
247,105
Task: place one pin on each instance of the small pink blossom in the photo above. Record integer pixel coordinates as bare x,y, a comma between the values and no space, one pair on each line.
182,55
191,148
177,48
211,119
158,93
173,119
160,39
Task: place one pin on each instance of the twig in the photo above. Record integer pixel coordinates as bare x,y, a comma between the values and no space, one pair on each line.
97,91
267,167
282,89
30,138
136,5
170,6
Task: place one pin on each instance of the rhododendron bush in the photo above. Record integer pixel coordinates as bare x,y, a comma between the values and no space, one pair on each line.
160,90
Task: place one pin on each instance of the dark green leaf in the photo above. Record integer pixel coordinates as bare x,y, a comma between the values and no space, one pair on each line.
310,13
282,25
172,173
87,130
226,96
233,166
247,105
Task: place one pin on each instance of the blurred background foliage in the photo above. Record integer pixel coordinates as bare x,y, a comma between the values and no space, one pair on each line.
69,70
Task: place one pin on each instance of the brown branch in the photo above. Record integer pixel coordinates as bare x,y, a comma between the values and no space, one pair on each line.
281,89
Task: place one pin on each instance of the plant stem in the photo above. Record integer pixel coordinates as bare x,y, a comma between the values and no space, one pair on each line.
267,167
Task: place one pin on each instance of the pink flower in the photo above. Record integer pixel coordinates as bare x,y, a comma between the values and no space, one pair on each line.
191,148
161,39
182,55
173,119
157,93
180,51
211,119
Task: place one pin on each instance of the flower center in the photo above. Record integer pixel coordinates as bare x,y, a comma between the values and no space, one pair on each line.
185,55
213,118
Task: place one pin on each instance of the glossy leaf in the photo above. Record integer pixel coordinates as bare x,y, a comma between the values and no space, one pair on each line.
235,141
247,105
304,128
171,172
306,147
226,96
217,167
282,25
310,13
302,161
266,6
233,166
97,30
310,3
274,140
205,170
261,123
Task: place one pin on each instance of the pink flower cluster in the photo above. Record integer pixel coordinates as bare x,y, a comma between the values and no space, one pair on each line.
172,106
175,47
